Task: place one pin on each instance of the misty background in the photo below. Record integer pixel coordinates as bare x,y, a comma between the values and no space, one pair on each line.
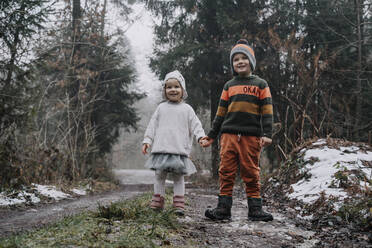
126,153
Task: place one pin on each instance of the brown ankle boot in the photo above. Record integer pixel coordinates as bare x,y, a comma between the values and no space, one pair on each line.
179,204
157,202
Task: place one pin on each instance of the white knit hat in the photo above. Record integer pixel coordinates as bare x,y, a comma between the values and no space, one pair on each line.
178,76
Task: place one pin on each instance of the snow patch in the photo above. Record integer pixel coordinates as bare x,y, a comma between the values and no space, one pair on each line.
320,142
79,191
24,196
328,162
17,198
51,191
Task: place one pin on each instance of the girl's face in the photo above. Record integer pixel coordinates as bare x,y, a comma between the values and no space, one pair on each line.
173,90
241,64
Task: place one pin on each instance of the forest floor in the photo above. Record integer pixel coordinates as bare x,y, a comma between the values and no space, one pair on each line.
239,232
319,198
193,230
21,218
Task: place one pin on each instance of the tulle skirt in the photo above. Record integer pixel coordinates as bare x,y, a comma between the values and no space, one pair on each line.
173,163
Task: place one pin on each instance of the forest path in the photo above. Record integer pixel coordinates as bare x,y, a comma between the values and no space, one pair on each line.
132,183
18,220
239,232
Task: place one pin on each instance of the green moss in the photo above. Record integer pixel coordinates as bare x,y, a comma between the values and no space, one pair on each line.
357,212
122,224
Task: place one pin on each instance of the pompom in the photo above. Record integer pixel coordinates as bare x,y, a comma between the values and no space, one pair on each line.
242,41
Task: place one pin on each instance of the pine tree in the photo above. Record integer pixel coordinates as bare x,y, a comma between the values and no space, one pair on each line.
20,20
195,37
91,95
316,66
341,29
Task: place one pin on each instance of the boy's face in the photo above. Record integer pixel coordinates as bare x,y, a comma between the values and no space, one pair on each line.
241,64
173,90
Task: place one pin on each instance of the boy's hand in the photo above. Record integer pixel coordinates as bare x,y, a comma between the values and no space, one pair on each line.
206,141
265,141
202,141
144,148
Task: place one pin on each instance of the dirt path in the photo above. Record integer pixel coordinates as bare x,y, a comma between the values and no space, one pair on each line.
18,220
239,232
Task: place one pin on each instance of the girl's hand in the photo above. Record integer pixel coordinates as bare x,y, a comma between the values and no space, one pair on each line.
144,148
265,141
205,141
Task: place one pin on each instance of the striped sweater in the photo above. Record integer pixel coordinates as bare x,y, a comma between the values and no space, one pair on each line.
245,108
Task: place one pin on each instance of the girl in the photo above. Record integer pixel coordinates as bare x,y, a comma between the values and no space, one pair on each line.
170,134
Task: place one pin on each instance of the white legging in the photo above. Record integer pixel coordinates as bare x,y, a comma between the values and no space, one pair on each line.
178,183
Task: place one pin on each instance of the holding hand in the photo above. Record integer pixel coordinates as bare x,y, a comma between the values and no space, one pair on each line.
265,141
205,141
144,148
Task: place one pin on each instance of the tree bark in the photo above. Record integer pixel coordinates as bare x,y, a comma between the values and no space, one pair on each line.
358,106
214,105
76,16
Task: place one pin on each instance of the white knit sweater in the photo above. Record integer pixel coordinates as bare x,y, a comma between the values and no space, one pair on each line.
172,127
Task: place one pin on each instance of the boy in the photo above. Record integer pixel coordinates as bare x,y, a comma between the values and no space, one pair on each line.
244,117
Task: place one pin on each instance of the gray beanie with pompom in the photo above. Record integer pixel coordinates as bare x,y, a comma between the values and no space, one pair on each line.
242,46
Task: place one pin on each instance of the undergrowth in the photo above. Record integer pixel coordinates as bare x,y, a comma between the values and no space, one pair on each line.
123,224
353,212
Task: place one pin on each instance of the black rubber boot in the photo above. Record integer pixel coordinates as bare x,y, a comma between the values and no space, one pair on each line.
255,211
223,209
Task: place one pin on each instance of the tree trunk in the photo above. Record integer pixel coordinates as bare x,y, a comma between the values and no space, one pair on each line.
74,91
214,105
76,16
358,92
103,21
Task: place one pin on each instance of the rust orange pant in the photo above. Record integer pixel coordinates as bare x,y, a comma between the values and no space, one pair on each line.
244,151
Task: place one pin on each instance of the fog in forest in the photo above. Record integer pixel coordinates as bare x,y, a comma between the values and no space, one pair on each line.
126,154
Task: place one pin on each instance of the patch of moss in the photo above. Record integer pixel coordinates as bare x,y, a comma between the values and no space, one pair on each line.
357,212
121,224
